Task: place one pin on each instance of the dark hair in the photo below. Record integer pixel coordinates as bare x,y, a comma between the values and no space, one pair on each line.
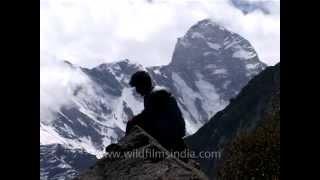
141,79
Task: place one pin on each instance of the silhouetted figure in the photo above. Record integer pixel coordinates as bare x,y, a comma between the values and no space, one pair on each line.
161,117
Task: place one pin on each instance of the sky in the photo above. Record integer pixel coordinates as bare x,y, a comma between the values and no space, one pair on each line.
88,33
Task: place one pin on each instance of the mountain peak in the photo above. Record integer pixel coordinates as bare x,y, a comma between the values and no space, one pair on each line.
118,65
205,23
206,28
208,43
123,61
69,64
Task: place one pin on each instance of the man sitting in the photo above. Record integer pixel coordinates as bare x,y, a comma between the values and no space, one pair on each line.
161,117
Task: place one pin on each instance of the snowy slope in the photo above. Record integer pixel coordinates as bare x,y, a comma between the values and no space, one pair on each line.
97,113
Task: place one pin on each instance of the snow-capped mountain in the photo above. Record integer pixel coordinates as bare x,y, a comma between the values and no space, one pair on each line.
209,66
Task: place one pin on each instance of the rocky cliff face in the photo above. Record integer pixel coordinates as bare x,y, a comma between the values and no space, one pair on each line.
256,154
134,157
243,115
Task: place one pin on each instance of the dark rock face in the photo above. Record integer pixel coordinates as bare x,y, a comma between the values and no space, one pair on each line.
58,162
254,155
244,114
143,165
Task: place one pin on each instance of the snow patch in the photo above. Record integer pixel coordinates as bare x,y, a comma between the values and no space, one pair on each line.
252,66
211,66
127,96
191,127
220,71
243,54
207,53
229,44
183,42
188,96
214,46
208,96
157,71
210,99
82,123
116,67
197,35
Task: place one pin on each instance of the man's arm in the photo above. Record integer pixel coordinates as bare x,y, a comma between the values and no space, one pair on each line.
136,120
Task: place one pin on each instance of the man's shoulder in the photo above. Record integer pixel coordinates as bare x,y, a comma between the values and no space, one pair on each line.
161,92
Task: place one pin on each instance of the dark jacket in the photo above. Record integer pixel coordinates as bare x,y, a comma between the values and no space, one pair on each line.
162,119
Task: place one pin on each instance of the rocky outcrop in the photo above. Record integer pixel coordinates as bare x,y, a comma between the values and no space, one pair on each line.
254,155
244,114
139,156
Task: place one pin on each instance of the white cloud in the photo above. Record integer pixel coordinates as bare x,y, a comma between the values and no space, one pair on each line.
91,32
57,84
263,31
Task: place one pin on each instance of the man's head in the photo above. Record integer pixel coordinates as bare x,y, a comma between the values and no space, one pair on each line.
141,80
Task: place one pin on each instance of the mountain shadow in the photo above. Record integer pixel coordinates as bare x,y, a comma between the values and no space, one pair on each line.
242,117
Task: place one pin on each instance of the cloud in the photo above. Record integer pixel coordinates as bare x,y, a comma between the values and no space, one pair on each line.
262,30
57,84
88,33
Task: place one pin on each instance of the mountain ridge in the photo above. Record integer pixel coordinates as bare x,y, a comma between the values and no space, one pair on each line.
243,115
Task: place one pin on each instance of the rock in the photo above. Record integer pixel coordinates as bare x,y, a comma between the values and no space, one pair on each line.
132,158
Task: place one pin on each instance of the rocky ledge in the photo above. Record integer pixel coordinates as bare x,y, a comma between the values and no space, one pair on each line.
139,156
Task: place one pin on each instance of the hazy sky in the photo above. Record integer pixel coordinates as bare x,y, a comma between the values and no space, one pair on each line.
90,32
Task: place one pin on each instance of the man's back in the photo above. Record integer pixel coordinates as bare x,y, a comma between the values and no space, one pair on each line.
161,118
